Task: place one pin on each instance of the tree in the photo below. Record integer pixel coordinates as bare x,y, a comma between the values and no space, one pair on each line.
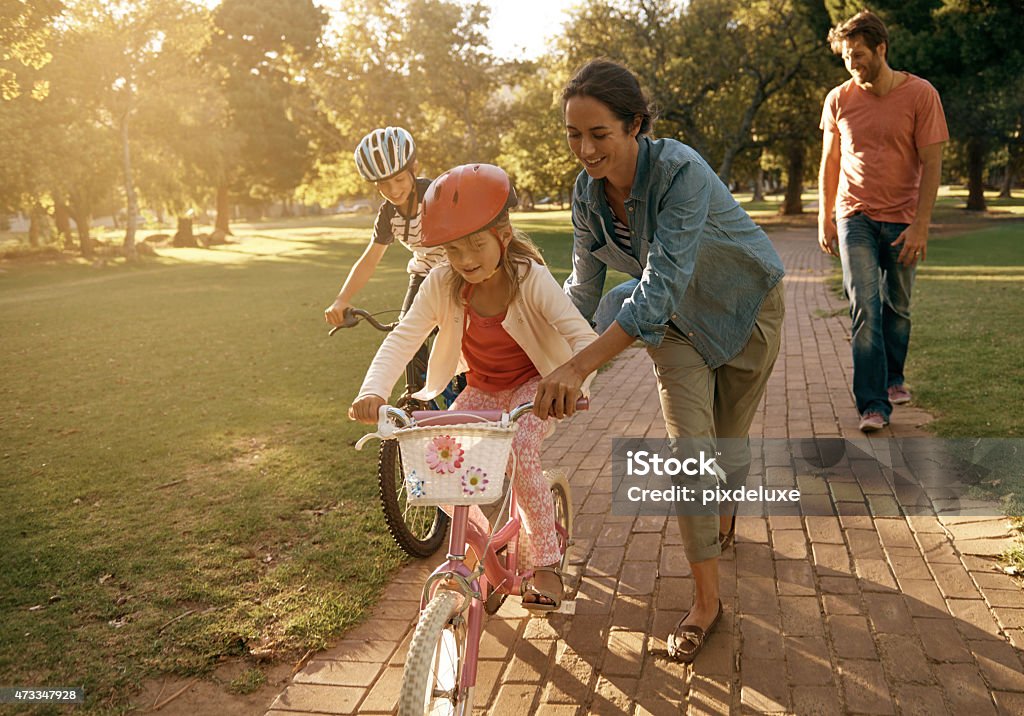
81,160
420,64
788,124
261,52
455,81
26,32
711,65
533,148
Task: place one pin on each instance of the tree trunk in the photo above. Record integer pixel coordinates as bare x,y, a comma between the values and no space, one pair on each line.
223,220
62,218
792,204
129,191
184,238
725,168
83,218
1006,192
222,225
38,225
758,185
976,151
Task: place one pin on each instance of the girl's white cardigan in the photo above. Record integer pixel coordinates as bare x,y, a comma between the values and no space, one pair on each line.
541,319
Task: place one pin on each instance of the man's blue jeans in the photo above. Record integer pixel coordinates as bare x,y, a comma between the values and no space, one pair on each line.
879,291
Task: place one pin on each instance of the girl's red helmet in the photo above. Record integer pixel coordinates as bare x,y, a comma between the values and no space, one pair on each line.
465,200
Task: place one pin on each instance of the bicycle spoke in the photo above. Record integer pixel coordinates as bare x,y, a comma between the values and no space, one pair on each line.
419,519
445,676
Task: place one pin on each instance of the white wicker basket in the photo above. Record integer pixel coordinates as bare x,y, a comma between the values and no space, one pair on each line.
455,464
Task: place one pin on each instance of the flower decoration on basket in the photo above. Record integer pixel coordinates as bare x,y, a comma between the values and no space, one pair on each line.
414,484
474,481
444,454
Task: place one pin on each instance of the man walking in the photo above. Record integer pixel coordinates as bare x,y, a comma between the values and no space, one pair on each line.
880,168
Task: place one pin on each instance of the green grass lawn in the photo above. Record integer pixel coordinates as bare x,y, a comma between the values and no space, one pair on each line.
174,442
967,344
177,469
965,364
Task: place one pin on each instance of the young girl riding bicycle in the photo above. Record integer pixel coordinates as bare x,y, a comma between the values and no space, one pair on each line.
387,157
503,318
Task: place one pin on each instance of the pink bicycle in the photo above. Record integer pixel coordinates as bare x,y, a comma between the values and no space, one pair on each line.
459,458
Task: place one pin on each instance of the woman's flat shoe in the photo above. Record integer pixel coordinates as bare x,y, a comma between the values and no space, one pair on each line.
686,641
726,539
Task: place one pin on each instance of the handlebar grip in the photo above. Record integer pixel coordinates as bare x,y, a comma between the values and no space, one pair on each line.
349,318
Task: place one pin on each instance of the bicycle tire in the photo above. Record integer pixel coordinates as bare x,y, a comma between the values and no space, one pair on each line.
419,531
561,496
432,680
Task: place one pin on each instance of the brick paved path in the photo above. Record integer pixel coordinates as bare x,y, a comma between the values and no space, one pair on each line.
860,613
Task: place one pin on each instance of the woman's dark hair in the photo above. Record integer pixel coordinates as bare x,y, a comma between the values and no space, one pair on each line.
615,86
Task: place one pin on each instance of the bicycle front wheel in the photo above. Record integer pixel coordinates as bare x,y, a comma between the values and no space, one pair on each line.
419,531
432,682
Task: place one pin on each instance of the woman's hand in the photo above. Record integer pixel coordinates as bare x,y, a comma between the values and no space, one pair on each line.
366,408
557,393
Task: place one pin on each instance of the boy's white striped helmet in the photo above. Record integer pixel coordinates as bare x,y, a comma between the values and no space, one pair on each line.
383,153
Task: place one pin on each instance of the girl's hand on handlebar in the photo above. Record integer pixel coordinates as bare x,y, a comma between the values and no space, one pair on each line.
366,408
335,313
557,393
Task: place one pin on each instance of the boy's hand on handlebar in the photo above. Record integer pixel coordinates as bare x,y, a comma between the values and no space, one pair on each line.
335,313
557,393
366,409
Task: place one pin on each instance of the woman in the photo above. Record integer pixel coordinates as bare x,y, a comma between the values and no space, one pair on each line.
706,298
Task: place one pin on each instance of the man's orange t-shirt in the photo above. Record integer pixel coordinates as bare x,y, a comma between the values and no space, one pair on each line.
880,169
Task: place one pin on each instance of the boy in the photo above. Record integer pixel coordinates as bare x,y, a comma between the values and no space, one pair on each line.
387,157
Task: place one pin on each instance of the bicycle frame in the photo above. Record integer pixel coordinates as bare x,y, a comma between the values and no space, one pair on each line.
465,595
489,572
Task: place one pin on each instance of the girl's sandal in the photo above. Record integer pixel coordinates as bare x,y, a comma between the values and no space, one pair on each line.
530,587
686,641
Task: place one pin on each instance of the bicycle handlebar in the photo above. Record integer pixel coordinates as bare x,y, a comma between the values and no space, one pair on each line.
352,315
402,419
456,416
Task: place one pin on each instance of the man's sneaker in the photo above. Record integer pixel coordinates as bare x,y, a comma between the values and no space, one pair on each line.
898,394
872,421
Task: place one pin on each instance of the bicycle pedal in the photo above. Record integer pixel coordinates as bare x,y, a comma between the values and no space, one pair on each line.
568,606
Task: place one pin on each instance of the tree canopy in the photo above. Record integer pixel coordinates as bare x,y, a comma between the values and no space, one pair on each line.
112,105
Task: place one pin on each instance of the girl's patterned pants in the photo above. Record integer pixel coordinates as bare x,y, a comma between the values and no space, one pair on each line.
532,492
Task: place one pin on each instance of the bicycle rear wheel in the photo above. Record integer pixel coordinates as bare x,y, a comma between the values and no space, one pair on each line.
432,682
419,531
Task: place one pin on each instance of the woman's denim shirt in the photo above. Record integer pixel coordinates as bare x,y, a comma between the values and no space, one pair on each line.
703,264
